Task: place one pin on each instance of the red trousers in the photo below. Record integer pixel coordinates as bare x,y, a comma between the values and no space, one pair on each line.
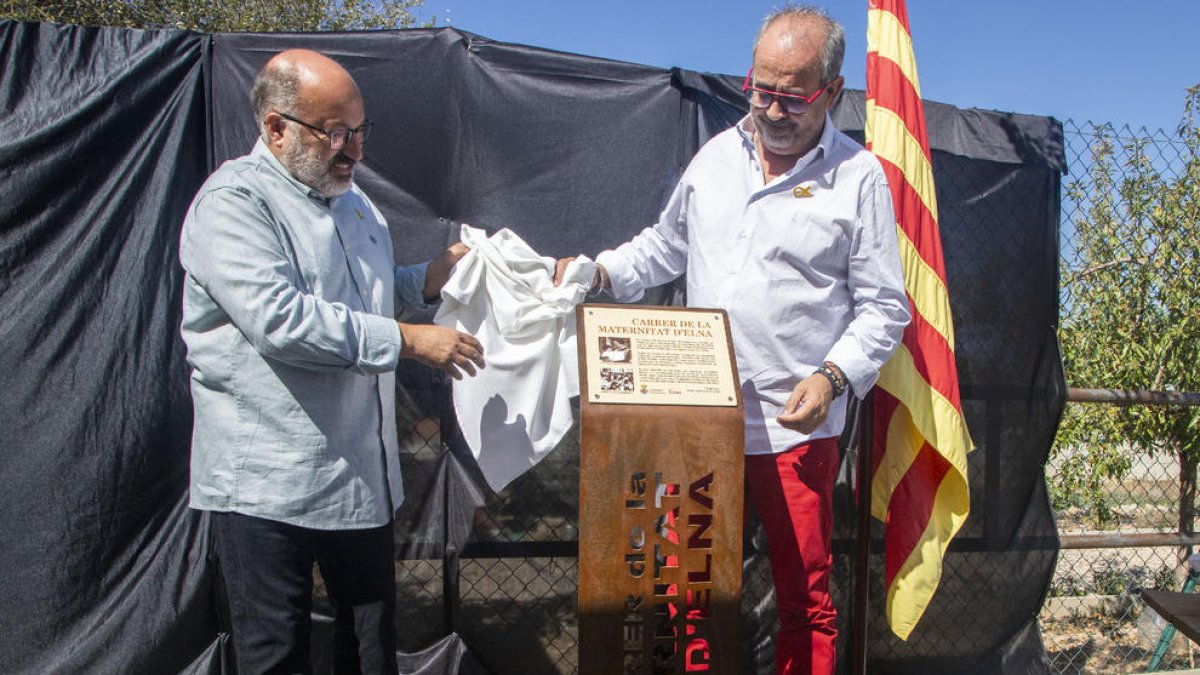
792,492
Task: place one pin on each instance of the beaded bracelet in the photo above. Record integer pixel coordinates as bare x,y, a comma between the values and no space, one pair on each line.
835,376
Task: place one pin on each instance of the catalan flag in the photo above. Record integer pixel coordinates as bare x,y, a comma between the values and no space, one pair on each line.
921,441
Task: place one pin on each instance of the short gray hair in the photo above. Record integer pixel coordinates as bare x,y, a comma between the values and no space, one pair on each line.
276,87
834,49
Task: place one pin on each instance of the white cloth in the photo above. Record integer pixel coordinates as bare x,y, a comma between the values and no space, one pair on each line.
807,267
517,409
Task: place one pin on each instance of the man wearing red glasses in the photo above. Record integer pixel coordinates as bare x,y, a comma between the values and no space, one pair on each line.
787,224
288,314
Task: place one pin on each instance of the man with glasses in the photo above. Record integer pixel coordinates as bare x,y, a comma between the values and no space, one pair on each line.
787,224
289,298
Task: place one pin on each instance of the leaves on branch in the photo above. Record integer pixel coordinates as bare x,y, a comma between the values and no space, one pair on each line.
1130,317
222,16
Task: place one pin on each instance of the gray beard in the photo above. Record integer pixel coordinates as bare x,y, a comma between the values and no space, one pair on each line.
310,170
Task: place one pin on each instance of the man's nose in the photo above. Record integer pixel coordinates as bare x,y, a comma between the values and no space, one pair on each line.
776,111
353,148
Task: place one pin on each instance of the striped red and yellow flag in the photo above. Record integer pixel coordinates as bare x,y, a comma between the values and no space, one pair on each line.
921,440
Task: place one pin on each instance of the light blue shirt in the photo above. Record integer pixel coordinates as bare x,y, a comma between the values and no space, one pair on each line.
288,309
807,266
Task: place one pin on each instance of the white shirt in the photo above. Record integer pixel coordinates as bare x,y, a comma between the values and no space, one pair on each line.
516,410
807,267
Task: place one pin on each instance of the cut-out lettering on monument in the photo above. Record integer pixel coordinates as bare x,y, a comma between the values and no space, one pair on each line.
674,619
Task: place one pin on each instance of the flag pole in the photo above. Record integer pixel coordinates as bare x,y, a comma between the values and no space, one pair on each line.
862,552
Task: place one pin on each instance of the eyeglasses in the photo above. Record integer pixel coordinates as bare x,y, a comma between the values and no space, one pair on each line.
337,137
794,104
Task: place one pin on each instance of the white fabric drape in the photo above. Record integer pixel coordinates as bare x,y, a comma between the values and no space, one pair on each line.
517,409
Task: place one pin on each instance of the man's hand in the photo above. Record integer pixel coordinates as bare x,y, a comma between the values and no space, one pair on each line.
438,272
441,347
598,281
808,405
560,268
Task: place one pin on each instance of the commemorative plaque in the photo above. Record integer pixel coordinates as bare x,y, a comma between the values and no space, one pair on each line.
657,355
661,437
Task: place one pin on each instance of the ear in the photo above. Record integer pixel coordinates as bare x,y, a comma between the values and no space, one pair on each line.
835,89
275,126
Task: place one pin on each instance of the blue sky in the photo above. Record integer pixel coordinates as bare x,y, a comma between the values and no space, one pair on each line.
1103,61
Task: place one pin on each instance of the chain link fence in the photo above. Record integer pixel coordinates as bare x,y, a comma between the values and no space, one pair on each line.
1094,620
502,574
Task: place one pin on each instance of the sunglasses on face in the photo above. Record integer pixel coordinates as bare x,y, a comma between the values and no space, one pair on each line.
794,104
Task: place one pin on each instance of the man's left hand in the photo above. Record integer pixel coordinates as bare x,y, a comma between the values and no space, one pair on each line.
808,405
438,272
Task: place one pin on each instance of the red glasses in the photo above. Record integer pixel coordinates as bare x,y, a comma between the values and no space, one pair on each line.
794,104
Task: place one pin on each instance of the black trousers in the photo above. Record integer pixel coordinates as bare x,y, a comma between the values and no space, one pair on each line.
267,567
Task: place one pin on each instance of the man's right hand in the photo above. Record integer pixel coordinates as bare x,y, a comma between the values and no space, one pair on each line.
560,268
443,348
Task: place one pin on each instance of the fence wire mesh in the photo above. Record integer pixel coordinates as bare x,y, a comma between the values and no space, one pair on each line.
1094,620
514,585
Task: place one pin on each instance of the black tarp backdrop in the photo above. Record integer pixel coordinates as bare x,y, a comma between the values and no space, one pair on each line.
101,141
105,136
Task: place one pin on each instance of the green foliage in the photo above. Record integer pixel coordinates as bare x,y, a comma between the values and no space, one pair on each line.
1109,581
1166,579
1080,479
1130,316
218,16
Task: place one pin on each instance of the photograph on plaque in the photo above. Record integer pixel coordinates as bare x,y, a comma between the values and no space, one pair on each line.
658,356
616,379
615,349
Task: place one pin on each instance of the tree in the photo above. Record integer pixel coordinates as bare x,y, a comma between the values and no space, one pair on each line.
214,16
1131,319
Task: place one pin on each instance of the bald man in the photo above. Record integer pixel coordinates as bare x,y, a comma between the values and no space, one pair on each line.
787,224
289,302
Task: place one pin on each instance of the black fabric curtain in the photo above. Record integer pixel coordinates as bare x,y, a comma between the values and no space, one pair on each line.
105,136
102,144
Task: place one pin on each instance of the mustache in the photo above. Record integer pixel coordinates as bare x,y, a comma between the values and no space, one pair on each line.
776,124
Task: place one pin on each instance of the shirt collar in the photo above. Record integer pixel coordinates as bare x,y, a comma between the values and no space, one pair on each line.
824,144
261,151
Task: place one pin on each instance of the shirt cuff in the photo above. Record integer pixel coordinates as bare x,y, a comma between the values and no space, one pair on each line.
858,369
379,351
410,286
621,277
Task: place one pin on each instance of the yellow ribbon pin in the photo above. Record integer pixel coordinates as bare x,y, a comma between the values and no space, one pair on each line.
802,191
